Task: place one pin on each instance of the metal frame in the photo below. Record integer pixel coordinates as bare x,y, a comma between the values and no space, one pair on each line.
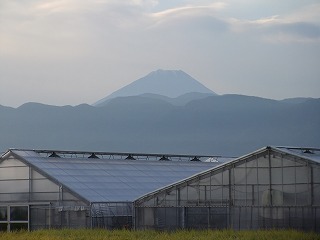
9,221
245,205
124,155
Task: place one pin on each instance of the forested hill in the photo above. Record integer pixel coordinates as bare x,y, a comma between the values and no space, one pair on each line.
229,125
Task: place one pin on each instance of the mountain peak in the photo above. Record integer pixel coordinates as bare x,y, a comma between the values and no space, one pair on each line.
170,74
163,71
169,83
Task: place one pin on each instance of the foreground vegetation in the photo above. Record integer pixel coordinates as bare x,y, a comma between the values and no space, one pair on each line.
68,234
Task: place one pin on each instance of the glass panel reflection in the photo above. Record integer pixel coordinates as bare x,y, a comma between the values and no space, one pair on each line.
19,213
3,213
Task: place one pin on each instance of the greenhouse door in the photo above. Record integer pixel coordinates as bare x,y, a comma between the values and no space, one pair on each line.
14,218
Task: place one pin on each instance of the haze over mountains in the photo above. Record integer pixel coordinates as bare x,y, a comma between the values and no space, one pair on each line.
191,123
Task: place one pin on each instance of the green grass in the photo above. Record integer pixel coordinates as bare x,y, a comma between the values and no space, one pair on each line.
83,234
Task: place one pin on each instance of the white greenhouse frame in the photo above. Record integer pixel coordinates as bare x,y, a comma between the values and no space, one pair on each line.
269,188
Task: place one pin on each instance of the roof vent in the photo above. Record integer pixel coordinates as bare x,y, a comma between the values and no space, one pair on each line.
93,156
195,159
54,155
307,151
164,158
130,157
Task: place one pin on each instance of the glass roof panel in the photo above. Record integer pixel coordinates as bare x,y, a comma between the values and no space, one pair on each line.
103,180
313,154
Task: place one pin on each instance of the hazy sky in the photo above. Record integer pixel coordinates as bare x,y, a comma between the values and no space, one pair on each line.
68,52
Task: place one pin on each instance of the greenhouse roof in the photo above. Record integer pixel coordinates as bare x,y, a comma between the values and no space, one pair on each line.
311,154
306,154
112,179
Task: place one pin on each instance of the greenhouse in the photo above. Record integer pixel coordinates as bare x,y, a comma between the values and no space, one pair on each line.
64,189
274,187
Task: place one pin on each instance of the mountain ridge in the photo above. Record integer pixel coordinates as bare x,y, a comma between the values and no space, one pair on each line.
218,125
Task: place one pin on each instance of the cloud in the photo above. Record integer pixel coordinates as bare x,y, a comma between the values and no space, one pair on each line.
104,44
41,28
298,31
300,25
93,5
71,27
308,13
277,29
189,19
189,10
59,27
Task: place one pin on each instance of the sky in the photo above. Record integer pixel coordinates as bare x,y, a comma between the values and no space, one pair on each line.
69,52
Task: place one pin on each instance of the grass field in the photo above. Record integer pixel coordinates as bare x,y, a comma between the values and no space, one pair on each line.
83,234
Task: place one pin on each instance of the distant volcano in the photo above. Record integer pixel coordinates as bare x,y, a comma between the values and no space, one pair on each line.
169,83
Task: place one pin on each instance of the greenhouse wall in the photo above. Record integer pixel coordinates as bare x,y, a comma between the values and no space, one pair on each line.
112,215
29,200
67,189
264,190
